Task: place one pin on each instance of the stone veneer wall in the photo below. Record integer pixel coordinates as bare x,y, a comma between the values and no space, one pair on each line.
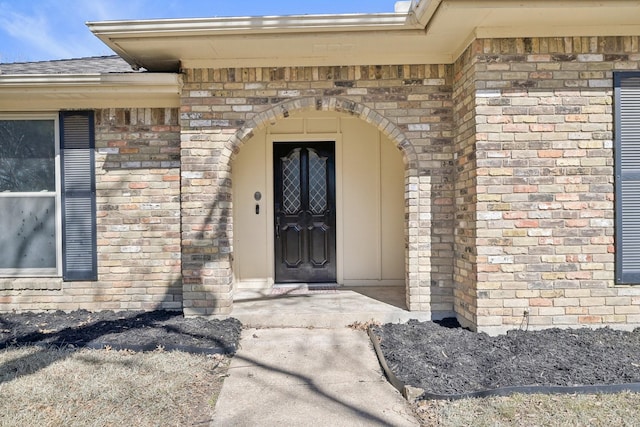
222,107
138,223
545,211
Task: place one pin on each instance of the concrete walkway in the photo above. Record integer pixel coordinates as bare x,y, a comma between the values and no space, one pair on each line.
308,377
333,309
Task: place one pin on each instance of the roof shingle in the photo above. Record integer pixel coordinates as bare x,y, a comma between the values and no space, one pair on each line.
90,65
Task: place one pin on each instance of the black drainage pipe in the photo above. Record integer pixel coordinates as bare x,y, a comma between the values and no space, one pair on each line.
413,393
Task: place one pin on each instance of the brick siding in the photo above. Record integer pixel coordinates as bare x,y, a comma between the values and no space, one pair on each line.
508,153
544,182
465,273
138,223
220,110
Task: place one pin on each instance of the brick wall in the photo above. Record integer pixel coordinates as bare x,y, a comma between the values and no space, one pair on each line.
138,223
545,213
220,109
465,146
508,175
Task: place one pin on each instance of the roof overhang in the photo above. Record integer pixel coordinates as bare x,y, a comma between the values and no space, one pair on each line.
44,92
265,41
432,32
456,23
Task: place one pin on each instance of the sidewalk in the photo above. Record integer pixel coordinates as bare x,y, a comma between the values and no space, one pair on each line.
302,377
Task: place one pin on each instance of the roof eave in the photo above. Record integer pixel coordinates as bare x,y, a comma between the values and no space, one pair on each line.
432,31
111,32
249,24
422,11
41,92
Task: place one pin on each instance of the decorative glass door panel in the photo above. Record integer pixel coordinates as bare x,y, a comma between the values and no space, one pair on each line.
305,232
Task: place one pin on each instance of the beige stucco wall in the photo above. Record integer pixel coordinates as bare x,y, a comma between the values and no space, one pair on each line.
251,263
370,200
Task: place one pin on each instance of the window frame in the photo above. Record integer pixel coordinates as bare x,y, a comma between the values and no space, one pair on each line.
41,272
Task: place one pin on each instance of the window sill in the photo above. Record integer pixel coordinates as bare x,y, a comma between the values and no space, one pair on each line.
30,284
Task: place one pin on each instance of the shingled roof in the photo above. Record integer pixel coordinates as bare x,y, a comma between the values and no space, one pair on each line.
90,65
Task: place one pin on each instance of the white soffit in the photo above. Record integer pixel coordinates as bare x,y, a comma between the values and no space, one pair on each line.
533,18
251,41
433,32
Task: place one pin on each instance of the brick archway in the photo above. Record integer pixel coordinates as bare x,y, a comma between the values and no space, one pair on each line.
290,107
208,148
335,104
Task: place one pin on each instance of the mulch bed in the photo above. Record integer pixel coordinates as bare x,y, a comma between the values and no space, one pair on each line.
449,360
133,330
442,359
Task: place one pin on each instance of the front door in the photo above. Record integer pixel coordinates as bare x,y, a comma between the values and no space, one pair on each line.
304,212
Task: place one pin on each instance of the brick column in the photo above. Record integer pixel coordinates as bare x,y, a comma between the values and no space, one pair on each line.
465,269
206,223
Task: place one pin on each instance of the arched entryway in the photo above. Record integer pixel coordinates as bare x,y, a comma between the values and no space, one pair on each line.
212,267
372,187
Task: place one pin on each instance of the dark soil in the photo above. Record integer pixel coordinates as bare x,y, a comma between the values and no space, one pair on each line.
134,330
451,360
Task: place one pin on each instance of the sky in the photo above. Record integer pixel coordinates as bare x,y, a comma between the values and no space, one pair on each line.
39,30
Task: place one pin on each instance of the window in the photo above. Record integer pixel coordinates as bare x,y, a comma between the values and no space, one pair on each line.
627,160
29,196
47,196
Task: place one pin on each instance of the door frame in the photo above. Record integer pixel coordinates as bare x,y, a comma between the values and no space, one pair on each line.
269,202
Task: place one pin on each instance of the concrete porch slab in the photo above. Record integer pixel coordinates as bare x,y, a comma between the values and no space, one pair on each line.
323,308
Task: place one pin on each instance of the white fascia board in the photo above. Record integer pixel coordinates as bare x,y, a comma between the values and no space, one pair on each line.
422,11
252,25
131,80
36,92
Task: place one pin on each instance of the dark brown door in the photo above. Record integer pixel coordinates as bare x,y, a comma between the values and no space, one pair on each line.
305,215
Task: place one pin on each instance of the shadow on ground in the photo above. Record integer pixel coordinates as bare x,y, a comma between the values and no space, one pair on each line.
138,331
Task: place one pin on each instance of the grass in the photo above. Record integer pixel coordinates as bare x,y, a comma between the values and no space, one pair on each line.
63,387
606,410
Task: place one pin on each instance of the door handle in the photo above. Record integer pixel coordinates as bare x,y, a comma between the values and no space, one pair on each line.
278,228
